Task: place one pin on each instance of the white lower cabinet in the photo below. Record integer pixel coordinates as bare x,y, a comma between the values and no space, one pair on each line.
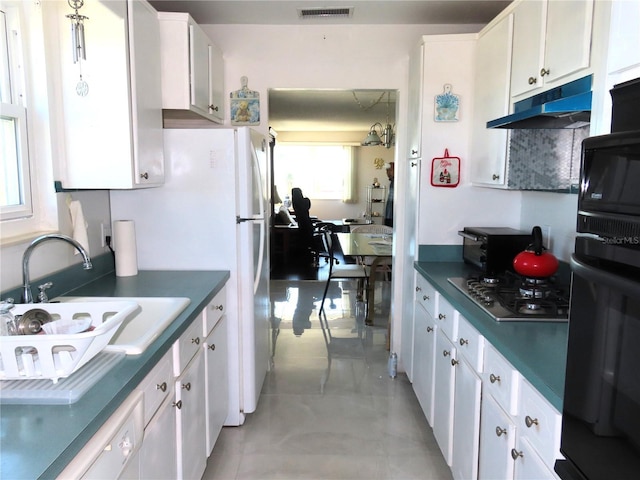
188,366
217,382
443,397
424,347
489,422
190,427
497,440
467,398
158,453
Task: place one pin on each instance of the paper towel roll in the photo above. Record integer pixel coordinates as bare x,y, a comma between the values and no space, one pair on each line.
124,237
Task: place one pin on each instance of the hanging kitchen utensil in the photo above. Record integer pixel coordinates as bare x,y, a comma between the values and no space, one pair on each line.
535,262
445,171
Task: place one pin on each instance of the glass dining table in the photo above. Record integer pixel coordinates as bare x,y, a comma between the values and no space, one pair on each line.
364,246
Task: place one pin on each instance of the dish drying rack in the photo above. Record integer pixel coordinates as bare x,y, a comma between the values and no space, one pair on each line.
42,356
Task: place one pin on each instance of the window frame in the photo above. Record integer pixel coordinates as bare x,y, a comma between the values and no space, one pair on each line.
31,45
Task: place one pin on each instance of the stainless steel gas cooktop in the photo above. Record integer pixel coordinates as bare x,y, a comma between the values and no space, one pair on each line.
512,298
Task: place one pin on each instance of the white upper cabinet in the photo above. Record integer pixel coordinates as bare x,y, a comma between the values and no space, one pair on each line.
113,126
493,64
551,40
416,81
192,70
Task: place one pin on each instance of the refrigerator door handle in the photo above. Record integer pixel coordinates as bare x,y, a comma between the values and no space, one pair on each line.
256,166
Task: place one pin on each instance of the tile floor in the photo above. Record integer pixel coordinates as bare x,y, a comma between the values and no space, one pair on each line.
351,421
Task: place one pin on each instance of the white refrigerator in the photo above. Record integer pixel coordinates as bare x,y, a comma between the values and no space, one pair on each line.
211,214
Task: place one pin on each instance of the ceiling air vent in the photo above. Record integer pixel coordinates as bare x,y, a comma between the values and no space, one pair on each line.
331,12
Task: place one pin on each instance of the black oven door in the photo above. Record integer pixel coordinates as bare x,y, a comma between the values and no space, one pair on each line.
601,411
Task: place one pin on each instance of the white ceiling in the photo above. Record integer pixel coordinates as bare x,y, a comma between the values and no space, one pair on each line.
333,110
394,12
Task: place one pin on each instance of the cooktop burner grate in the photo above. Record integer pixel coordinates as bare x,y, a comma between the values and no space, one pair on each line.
511,297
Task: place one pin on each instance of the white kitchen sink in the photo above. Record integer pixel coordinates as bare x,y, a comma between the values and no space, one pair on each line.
144,325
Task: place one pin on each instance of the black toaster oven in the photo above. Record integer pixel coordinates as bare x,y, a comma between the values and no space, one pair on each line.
492,249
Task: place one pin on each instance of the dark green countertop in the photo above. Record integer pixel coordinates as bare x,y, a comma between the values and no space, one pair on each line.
538,350
37,441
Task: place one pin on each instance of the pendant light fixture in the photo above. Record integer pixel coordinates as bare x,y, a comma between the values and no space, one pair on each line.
381,135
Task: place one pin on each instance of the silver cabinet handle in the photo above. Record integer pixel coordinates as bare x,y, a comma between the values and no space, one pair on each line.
413,164
196,340
544,71
493,378
187,386
212,346
414,152
145,175
530,422
515,454
162,386
418,289
500,431
454,362
533,80
441,316
495,177
217,307
429,329
463,342
425,297
213,107
445,353
177,404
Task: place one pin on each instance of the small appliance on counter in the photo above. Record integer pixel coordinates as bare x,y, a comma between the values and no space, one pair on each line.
492,249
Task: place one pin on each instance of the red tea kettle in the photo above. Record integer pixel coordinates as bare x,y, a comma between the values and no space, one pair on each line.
535,261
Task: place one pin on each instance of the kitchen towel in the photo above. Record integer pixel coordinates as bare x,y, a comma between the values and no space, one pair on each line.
124,233
79,225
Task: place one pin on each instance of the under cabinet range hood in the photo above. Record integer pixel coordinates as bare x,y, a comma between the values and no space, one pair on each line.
566,106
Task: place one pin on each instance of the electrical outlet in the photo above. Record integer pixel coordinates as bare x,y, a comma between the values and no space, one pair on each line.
105,231
546,236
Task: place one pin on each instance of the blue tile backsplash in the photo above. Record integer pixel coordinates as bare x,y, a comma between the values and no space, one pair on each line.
545,159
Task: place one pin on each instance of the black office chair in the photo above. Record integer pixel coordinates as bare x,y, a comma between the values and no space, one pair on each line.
309,230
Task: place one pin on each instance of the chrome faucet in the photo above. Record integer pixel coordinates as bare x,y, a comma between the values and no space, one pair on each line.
27,296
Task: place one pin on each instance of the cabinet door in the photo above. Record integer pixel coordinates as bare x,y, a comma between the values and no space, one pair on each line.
568,37
414,124
466,425
493,66
443,395
217,382
158,453
199,68
144,37
497,439
191,429
424,344
528,466
528,46
216,83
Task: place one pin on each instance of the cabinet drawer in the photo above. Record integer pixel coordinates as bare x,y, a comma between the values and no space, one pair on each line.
187,346
540,423
470,344
157,385
214,312
501,380
426,295
446,318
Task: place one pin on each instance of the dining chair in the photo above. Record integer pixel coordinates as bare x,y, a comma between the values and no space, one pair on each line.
350,345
